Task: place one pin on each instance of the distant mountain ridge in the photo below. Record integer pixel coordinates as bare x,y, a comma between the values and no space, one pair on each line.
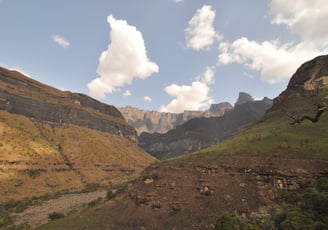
160,122
199,133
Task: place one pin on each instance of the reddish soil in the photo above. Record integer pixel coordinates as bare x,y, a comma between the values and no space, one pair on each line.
190,194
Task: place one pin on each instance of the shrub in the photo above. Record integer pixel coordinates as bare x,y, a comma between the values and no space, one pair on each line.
91,187
229,221
56,215
322,185
110,195
296,219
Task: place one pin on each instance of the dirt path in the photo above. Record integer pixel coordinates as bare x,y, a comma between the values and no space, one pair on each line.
37,215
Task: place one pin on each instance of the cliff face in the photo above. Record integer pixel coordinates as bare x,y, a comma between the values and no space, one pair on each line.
202,132
308,80
157,122
53,141
25,96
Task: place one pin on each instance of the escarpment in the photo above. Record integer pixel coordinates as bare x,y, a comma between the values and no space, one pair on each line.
22,95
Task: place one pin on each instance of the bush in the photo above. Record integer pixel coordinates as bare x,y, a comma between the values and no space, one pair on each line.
229,221
91,187
110,195
322,185
56,215
316,202
295,219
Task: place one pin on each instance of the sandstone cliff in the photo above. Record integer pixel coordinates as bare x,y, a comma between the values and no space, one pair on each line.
158,122
22,95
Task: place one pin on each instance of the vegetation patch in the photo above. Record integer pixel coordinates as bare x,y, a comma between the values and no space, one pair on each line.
56,215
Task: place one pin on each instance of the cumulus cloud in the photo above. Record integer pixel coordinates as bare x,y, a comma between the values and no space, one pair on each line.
277,61
61,41
302,17
148,99
200,33
123,61
127,93
190,97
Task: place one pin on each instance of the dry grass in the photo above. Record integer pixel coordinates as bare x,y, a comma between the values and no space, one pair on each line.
39,158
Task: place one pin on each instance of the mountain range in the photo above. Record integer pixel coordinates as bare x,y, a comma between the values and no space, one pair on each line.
161,122
202,132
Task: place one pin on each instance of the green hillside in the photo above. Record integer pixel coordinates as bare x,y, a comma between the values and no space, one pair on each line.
273,133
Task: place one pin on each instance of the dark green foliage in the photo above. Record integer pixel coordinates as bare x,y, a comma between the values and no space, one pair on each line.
95,202
309,212
229,221
316,202
56,215
289,197
115,191
322,184
33,173
91,187
110,195
296,219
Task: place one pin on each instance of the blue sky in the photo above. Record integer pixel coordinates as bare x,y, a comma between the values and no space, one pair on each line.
163,55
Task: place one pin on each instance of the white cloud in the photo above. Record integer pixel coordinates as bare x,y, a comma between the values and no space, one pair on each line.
190,97
208,76
61,41
148,99
277,61
127,93
123,61
250,76
303,17
200,33
178,1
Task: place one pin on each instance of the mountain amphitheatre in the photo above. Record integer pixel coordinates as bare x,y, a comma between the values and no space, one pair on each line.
271,174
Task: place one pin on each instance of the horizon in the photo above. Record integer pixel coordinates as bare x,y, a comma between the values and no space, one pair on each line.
178,55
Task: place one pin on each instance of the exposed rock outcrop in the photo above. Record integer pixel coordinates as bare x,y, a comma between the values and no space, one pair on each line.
22,95
159,122
202,132
309,79
244,98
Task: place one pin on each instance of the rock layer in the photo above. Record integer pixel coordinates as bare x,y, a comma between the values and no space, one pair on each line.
158,122
25,96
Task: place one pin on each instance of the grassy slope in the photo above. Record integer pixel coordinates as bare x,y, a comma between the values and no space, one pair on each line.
38,159
273,134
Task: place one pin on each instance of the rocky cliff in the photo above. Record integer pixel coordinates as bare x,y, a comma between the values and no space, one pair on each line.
158,122
202,132
58,142
308,80
22,95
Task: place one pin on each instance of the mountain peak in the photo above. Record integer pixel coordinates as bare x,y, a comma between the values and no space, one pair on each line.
244,98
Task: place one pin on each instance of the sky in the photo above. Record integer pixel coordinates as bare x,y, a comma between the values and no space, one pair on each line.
163,55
